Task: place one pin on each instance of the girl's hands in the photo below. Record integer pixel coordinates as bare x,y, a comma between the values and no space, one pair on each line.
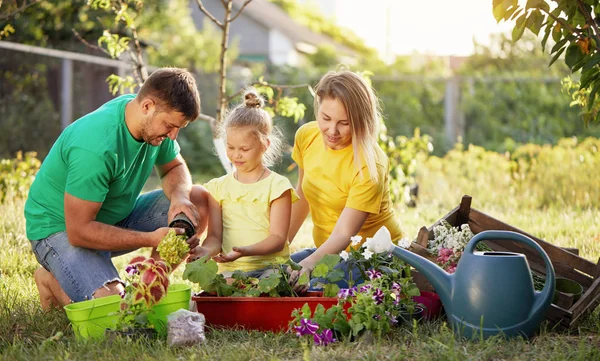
234,254
197,253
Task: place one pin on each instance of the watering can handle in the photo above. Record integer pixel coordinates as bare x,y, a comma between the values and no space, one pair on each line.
548,290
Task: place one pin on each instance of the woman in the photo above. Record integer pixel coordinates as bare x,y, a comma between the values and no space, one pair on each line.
342,171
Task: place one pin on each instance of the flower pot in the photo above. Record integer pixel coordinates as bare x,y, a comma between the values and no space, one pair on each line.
132,334
256,313
567,292
177,297
91,318
407,318
432,304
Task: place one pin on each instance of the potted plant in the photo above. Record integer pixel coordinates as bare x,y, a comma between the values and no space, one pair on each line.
146,285
372,307
262,304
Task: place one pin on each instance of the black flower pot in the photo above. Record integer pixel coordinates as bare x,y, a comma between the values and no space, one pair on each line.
407,318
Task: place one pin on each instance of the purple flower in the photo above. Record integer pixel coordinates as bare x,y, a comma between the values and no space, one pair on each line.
365,288
131,270
324,338
307,327
378,296
393,320
396,288
373,274
346,292
122,294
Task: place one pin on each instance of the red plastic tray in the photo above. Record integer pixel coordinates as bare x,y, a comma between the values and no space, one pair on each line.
256,313
432,303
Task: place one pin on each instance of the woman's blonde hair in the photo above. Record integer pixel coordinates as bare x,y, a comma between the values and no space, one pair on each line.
250,113
362,107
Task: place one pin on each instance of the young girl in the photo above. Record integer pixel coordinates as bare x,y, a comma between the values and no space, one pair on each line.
250,208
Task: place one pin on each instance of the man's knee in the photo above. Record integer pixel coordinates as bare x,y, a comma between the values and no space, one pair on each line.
108,289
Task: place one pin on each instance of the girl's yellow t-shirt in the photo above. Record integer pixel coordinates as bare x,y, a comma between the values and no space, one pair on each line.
331,182
245,212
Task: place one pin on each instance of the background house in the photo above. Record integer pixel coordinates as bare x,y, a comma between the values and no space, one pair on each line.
267,34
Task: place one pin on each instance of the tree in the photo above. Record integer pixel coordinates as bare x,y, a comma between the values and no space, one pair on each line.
8,12
573,26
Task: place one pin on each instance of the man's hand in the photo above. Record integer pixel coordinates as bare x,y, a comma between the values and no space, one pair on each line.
182,204
161,232
235,253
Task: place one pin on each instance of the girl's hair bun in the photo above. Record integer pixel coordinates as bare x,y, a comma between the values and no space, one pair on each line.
253,100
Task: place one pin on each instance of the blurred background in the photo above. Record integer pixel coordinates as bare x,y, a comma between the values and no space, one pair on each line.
466,110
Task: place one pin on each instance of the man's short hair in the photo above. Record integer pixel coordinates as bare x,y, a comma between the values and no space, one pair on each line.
175,89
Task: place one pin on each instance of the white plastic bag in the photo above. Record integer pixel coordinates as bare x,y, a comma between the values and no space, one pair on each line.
185,328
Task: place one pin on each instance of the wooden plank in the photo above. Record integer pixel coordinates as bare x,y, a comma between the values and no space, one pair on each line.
559,316
464,209
579,317
423,237
583,303
485,222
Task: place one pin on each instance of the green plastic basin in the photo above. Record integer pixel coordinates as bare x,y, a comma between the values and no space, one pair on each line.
91,318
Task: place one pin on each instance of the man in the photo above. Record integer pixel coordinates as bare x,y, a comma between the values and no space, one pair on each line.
85,207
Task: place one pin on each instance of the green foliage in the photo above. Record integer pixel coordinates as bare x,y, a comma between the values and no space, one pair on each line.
173,248
532,176
573,27
16,175
274,282
406,155
114,44
173,39
6,31
121,84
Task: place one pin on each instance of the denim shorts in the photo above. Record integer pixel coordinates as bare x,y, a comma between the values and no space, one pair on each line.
81,271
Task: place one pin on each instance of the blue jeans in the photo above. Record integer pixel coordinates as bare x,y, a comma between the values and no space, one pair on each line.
81,271
344,265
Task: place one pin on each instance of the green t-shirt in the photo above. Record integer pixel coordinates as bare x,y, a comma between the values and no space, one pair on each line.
98,160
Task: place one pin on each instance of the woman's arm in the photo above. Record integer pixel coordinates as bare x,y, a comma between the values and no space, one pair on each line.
279,219
300,208
214,237
348,225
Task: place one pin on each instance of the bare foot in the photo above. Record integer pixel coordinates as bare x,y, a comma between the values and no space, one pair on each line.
51,294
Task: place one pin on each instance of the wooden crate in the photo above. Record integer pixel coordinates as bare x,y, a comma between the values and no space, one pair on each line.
566,262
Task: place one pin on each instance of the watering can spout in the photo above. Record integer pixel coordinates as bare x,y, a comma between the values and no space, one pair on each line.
441,281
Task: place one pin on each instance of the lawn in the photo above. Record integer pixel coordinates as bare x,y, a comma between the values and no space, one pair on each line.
28,333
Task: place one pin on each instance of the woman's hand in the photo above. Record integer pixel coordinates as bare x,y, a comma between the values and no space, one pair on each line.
295,275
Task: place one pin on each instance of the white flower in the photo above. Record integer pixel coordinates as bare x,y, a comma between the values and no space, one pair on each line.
344,255
381,241
404,243
356,240
367,254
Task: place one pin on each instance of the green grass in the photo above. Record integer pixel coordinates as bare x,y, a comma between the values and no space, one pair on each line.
27,333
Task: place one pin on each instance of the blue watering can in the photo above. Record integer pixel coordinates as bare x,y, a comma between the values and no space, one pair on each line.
491,292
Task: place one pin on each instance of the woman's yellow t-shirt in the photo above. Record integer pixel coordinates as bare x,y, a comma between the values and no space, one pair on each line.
245,212
332,182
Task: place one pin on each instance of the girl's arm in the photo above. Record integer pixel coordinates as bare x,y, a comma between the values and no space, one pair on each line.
279,219
300,208
214,237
